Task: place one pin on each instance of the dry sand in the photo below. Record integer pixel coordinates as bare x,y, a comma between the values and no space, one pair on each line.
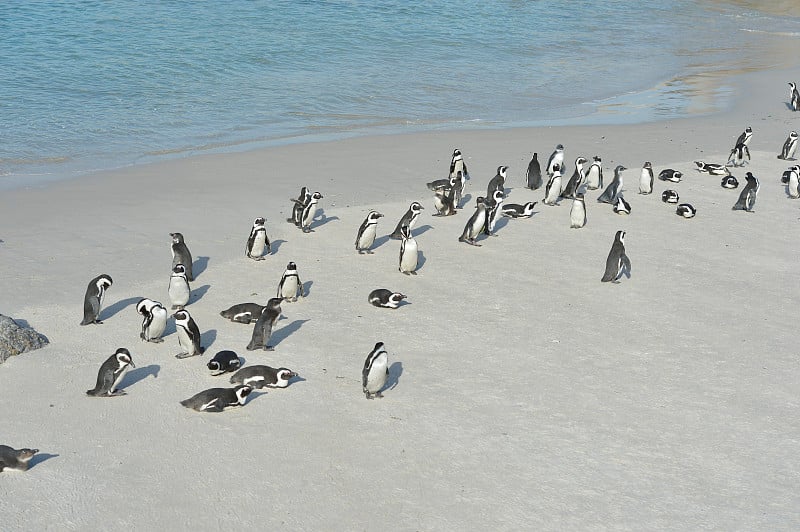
526,394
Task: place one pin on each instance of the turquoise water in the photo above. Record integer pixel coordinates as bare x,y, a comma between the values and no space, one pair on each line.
94,85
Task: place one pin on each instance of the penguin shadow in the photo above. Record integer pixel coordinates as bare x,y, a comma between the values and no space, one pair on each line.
255,394
421,230
381,240
501,223
282,333
199,292
274,246
112,310
296,378
788,106
207,338
138,374
199,266
38,458
307,288
465,200
323,219
395,371
421,260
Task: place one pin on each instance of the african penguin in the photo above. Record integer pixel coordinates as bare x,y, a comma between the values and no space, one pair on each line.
789,147
262,330
594,176
617,262
493,210
366,232
712,168
111,373
188,335
793,185
297,206
574,183
445,201
409,253
218,399
745,137
621,206
515,210
738,154
457,165
224,362
243,312
16,459
686,210
93,299
669,196
260,376
552,191
375,372
408,220
258,241
668,174
794,97
179,290
533,177
497,182
747,198
181,254
154,320
614,188
475,223
384,298
290,286
729,182
309,212
646,179
577,214
556,159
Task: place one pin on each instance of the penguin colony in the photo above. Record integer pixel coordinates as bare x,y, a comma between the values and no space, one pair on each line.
447,201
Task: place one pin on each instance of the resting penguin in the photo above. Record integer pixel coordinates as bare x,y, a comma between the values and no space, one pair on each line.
154,320
712,168
366,233
409,253
16,459
179,290
260,376
594,176
577,214
614,188
621,206
224,362
93,299
794,97
533,177
553,189
747,198
297,206
575,182
309,212
646,179
290,286
375,372
498,182
181,254
738,154
669,196
218,399
243,312
262,330
668,174
475,223
408,220
258,242
188,335
729,182
556,160
617,262
789,147
493,211
515,210
383,298
686,210
111,374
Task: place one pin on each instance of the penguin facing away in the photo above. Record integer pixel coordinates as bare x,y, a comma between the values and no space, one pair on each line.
290,286
93,299
497,182
493,211
617,262
738,155
747,198
367,232
218,399
258,243
181,255
375,372
533,177
111,373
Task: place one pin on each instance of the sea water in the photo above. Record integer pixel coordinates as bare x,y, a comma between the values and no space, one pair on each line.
88,85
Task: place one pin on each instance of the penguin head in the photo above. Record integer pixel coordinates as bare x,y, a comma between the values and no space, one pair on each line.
214,365
457,152
291,266
181,316
647,164
283,376
502,171
559,147
480,200
579,161
104,281
415,207
793,135
274,304
396,298
179,269
144,305
242,392
700,164
597,159
373,216
24,455
259,221
316,196
177,238
620,236
619,168
124,357
498,196
528,207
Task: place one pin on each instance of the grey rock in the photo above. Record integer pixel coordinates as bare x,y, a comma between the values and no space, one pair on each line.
15,339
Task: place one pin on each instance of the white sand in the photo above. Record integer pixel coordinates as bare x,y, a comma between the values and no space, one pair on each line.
527,394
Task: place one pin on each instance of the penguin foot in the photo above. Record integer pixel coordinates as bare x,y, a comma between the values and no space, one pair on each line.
117,393
269,348
183,355
413,273
156,340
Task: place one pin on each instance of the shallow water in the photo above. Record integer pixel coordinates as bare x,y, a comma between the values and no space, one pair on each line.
96,85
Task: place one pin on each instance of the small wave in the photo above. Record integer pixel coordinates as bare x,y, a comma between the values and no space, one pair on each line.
777,33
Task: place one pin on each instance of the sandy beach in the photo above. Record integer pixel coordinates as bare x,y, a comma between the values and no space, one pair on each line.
523,392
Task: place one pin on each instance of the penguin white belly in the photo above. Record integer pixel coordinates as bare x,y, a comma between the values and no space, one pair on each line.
577,215
120,376
259,244
554,192
289,288
184,341
367,237
158,323
644,183
178,292
477,227
376,379
408,262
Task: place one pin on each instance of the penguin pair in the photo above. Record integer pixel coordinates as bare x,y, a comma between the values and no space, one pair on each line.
93,299
111,373
494,208
305,209
444,200
258,243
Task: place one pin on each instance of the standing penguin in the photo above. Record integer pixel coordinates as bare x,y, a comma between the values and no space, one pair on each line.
617,262
621,206
575,182
646,179
794,97
309,212
594,176
258,242
457,165
793,186
111,374
224,362
533,177
179,290
93,299
366,233
497,182
444,201
738,154
614,188
577,214
556,159
494,209
188,335
475,223
290,286
218,399
553,189
745,137
375,372
458,188
408,220
181,254
154,320
747,198
297,206
789,147
409,253
262,330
